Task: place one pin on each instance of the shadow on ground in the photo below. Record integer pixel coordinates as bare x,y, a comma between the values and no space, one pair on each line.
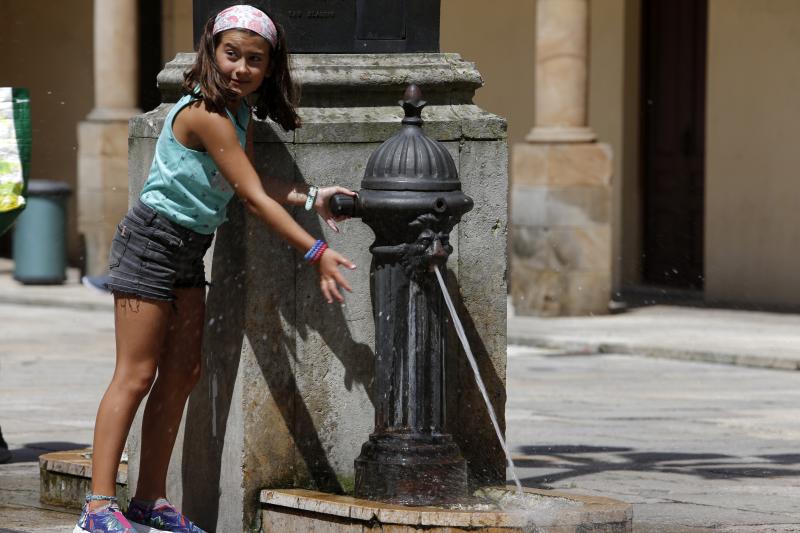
31,451
575,461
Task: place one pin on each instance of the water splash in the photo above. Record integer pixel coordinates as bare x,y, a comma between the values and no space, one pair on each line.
463,337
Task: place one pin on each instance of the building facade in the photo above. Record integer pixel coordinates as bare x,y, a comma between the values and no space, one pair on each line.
694,98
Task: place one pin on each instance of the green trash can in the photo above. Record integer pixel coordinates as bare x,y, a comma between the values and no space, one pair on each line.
40,236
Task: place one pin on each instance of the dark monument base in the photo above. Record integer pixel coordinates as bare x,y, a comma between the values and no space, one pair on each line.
344,26
411,470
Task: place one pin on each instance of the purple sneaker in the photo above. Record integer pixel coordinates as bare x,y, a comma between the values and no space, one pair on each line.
105,519
159,516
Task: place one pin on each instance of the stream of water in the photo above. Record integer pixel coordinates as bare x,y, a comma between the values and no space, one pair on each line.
474,365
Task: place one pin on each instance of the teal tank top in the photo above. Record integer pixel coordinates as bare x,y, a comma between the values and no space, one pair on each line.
185,185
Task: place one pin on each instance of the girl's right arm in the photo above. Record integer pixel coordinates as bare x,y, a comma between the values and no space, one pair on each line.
217,135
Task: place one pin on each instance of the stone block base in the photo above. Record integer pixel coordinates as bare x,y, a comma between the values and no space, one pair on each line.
560,231
548,293
296,510
66,477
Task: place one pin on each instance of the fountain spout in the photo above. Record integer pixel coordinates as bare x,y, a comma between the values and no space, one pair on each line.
411,198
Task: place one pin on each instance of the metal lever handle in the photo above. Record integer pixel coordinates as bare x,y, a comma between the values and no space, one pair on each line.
343,205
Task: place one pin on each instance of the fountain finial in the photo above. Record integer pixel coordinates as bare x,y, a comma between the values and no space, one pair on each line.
413,103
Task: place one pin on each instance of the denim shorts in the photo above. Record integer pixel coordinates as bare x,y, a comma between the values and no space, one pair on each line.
151,255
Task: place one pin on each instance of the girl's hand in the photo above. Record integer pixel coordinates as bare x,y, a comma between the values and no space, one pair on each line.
322,206
330,278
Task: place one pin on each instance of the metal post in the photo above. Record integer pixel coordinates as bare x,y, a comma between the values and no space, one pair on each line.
411,199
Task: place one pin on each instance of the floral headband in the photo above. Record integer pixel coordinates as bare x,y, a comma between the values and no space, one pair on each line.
248,18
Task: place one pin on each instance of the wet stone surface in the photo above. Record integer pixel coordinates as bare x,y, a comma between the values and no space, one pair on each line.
535,511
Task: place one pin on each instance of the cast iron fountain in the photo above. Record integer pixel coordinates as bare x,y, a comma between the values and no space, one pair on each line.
411,198
410,473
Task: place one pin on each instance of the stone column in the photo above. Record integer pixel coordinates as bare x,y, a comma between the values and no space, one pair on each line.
561,194
562,33
103,136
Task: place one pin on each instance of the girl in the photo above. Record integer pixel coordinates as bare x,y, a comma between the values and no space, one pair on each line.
203,156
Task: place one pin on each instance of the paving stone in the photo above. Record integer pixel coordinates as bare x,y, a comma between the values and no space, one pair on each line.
695,447
691,445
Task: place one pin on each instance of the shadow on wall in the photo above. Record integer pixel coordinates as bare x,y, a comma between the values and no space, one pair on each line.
468,418
261,315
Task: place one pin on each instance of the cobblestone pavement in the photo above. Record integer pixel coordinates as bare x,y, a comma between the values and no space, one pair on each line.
54,365
694,446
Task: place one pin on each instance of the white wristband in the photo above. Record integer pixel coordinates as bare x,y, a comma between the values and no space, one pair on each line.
312,195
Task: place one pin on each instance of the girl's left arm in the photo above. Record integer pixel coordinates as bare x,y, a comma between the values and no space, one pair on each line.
288,193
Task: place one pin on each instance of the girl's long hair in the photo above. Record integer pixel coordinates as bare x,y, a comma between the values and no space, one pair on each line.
276,98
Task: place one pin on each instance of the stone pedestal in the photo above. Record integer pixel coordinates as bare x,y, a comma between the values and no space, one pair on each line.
286,397
561,232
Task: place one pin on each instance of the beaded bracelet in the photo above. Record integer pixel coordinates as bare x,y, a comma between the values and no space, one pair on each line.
312,252
98,497
318,254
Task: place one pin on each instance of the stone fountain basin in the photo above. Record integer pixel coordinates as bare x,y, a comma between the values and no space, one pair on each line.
538,511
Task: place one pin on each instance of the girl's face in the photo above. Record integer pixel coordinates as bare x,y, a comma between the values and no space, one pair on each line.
244,58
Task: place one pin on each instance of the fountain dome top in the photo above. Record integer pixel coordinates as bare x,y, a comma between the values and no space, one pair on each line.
410,160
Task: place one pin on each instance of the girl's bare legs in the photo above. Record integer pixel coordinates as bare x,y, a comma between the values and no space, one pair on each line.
140,327
178,372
